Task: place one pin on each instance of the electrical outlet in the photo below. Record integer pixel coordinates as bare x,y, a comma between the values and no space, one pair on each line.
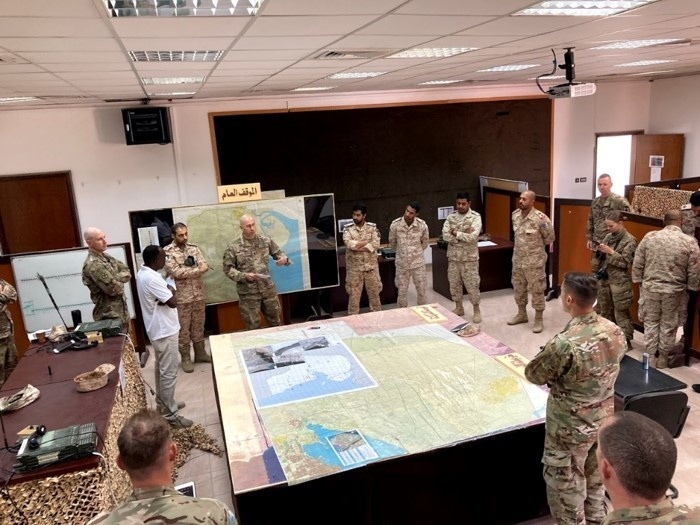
577,180
583,179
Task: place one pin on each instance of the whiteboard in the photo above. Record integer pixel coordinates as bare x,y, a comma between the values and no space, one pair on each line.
63,273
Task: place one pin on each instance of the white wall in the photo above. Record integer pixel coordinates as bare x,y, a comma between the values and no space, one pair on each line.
675,108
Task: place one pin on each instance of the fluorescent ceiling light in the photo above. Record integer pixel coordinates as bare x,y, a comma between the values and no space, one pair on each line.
173,94
166,8
161,81
635,44
652,73
644,63
8,100
512,67
582,7
314,88
548,77
432,52
439,82
359,74
175,56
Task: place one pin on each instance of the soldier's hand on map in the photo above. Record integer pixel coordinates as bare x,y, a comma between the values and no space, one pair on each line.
203,267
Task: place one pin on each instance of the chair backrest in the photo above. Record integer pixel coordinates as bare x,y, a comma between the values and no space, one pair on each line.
669,409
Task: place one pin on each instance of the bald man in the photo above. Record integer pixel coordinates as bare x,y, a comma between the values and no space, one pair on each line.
105,277
245,262
533,231
666,265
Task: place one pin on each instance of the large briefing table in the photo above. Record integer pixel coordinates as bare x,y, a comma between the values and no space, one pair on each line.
71,491
430,427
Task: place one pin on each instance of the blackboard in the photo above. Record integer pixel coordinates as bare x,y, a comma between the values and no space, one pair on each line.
62,271
389,156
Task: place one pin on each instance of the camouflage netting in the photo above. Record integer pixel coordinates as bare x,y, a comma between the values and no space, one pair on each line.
74,498
187,439
655,202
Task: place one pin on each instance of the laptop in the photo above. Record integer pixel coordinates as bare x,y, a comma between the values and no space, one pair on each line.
65,444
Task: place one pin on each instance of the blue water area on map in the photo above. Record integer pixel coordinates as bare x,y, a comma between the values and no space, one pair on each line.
322,450
319,386
286,278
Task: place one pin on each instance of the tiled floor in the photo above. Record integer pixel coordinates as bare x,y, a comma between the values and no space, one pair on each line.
210,473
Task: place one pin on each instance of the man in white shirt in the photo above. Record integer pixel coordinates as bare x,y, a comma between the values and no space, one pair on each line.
159,311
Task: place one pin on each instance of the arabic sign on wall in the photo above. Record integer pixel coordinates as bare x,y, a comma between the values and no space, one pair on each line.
239,192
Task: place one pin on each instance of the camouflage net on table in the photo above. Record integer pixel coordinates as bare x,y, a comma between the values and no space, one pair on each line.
76,497
655,202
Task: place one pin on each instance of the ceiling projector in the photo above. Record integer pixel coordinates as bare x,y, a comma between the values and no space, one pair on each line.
571,90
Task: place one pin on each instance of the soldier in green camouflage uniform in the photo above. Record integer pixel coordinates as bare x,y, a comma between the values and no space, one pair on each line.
361,239
8,350
580,364
461,231
105,277
637,459
186,264
147,453
245,261
600,208
533,231
408,235
666,265
615,292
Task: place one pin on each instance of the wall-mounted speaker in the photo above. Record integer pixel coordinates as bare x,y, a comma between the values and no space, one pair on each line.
146,125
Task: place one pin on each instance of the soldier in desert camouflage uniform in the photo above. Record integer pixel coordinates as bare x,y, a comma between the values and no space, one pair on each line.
147,453
581,365
600,207
245,261
615,291
105,277
8,350
691,214
408,235
666,265
186,264
637,459
461,231
361,239
533,232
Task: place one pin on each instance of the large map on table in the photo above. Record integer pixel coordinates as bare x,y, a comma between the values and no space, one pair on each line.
214,227
434,389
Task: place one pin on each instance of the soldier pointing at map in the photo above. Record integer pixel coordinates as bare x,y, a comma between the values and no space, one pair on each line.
245,262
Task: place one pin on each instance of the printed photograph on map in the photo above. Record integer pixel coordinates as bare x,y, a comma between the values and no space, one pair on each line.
302,369
351,447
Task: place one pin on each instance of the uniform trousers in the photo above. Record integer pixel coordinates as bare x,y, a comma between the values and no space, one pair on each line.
464,273
660,312
420,281
251,304
355,280
191,317
531,279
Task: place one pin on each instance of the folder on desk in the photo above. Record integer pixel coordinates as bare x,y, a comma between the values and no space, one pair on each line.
515,361
65,444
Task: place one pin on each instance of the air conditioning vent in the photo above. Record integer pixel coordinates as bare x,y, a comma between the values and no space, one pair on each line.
356,54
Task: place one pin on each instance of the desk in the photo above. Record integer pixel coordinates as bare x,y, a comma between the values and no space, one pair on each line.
73,491
634,380
495,267
440,410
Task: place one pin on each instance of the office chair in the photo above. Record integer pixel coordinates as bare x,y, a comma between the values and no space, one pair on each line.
669,409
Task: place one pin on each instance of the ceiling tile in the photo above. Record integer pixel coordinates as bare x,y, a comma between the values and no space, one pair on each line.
59,44
421,25
46,57
176,44
326,7
291,42
51,27
462,7
179,27
306,25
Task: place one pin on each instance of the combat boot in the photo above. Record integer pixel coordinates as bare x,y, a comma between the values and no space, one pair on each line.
187,365
459,309
538,326
200,354
520,317
476,318
662,361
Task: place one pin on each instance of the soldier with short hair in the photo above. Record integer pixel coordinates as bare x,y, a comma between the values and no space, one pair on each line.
666,265
147,453
533,231
245,262
461,232
8,350
580,364
615,282
637,459
600,207
691,214
408,235
361,239
105,277
186,265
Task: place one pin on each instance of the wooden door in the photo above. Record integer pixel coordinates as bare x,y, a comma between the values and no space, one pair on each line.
38,213
670,147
